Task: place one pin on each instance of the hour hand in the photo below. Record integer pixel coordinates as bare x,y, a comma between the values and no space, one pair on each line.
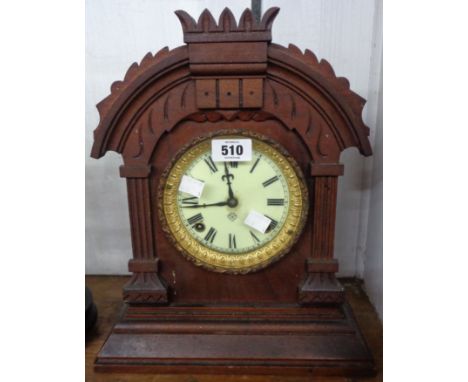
219,204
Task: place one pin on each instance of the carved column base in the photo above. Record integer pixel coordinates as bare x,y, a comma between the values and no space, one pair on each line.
321,285
145,286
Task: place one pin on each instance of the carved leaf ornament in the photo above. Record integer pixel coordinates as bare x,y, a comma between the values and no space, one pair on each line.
296,84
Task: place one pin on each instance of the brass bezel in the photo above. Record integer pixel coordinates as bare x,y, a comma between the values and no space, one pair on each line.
227,262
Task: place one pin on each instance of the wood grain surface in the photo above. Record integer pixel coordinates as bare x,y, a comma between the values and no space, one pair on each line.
107,294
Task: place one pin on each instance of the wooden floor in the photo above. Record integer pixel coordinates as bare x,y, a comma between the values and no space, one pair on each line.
107,292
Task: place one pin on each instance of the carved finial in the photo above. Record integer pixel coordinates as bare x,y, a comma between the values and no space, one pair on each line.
206,22
247,20
227,21
188,23
268,18
227,29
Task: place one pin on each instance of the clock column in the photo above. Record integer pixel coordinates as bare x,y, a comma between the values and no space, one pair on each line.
145,286
321,285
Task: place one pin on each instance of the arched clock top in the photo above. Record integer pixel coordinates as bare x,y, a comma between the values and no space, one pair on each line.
330,96
117,111
224,60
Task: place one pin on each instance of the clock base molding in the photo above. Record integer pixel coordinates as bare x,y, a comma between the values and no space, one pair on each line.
318,340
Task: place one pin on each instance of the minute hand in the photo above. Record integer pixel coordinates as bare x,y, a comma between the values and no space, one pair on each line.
228,178
219,204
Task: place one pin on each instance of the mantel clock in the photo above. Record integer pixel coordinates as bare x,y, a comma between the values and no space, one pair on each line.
231,149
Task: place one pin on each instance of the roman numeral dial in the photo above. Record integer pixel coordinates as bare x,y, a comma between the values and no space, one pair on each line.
232,241
252,169
270,181
191,200
275,202
258,185
195,219
211,165
216,217
254,237
210,236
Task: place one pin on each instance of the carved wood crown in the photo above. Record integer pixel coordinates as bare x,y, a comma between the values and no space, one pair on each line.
260,80
227,29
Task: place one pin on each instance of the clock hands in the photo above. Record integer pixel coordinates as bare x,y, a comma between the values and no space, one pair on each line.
232,201
228,178
219,204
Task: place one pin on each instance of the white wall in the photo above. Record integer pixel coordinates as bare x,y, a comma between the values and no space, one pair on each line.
373,197
373,265
119,32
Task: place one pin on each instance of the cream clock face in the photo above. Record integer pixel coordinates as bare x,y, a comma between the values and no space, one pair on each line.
217,221
238,216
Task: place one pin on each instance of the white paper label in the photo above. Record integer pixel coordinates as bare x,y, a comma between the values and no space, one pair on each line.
191,186
231,150
257,221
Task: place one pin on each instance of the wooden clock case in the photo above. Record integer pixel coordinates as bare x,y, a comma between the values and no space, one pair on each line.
290,317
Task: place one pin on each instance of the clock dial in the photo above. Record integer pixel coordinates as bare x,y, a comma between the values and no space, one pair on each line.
220,225
248,213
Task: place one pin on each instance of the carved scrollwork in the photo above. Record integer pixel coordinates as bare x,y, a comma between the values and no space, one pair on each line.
166,108
183,97
215,116
293,106
326,70
331,102
322,143
150,122
351,103
307,118
141,144
132,73
309,123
